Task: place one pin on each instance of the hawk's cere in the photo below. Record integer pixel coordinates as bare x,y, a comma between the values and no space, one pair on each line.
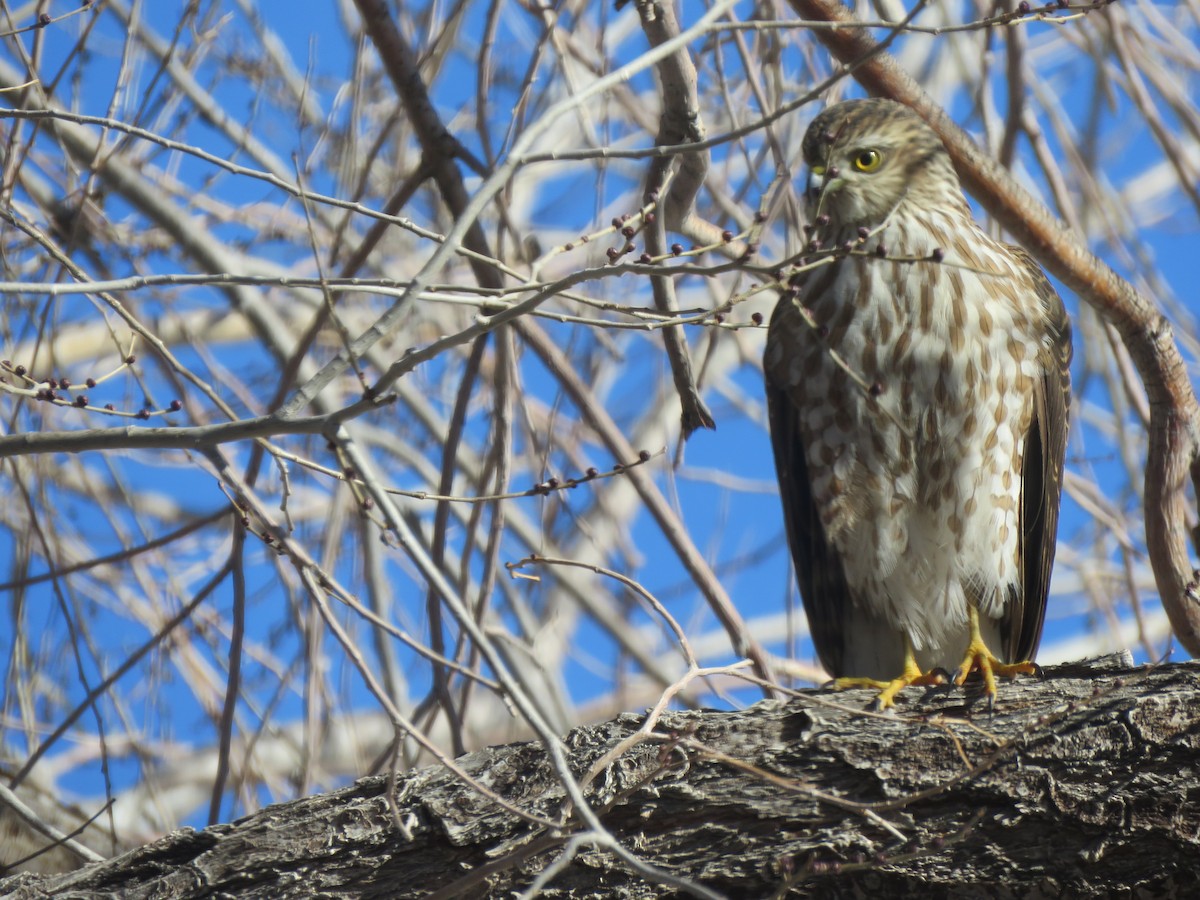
918,387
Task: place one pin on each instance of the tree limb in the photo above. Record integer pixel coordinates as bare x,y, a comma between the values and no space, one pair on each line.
1080,784
679,122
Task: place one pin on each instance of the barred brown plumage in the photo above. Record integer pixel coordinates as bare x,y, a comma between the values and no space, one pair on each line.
918,399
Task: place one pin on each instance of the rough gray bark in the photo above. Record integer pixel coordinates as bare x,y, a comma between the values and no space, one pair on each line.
1083,784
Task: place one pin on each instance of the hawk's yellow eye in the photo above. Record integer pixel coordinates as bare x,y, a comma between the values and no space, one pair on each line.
867,160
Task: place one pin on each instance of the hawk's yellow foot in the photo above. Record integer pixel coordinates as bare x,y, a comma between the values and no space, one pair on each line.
912,676
979,658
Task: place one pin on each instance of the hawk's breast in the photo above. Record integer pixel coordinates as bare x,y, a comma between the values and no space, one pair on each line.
913,396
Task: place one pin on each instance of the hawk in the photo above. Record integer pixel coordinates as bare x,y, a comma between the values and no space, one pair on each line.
918,386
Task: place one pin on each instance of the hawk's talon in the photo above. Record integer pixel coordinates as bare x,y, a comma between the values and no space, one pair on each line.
979,657
912,676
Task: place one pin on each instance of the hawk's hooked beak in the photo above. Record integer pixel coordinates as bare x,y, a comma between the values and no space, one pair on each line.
815,185
822,181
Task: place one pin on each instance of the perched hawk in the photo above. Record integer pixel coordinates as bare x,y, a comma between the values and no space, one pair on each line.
918,386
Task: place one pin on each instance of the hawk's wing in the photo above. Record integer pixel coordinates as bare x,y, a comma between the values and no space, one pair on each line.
818,567
1041,473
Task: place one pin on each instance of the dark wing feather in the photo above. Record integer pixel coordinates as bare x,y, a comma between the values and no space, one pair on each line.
1041,474
818,567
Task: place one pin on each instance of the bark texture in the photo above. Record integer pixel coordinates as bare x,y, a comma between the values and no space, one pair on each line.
1084,784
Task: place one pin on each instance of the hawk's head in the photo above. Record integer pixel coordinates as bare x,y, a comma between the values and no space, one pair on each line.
867,157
